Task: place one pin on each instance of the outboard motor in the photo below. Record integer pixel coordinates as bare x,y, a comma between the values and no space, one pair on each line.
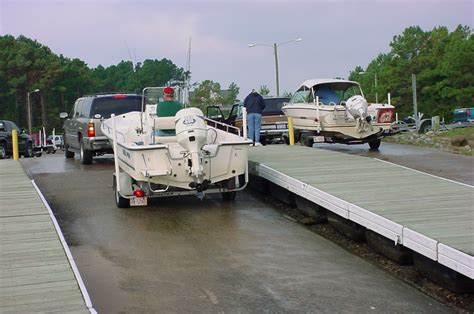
191,133
357,107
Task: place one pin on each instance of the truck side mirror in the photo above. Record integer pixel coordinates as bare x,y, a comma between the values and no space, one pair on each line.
63,115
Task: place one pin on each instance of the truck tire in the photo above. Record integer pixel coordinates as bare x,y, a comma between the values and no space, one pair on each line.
29,150
67,153
374,144
3,151
120,201
86,155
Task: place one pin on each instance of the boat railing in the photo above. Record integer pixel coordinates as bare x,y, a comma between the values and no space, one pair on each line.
223,126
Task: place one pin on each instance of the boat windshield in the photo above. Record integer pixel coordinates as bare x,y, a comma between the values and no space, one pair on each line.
328,93
301,96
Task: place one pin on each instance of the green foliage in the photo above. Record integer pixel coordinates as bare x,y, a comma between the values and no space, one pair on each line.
26,65
264,90
443,63
232,93
205,94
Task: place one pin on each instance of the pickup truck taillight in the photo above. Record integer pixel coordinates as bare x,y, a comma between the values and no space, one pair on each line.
385,115
90,129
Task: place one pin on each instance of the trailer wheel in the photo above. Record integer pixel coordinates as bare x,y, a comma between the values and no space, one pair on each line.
306,139
229,196
374,144
120,201
425,127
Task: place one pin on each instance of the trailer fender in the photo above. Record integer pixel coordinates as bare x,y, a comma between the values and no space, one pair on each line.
126,187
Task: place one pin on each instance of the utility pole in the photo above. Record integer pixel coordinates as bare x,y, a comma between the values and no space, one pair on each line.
28,108
276,70
415,105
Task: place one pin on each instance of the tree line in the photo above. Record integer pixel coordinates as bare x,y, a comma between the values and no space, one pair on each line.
442,61
27,66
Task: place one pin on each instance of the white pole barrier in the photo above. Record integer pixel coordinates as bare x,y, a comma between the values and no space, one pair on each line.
54,139
117,170
244,122
44,137
389,99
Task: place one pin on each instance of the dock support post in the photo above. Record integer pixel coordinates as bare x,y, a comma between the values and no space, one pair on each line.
16,154
291,132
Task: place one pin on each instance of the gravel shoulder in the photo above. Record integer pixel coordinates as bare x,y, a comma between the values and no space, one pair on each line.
458,141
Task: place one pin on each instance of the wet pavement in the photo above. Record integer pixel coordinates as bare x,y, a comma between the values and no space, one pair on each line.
210,256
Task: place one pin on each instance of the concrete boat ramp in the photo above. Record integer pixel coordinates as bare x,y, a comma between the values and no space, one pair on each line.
37,271
432,216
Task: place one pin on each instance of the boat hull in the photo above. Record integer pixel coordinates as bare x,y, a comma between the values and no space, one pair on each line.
166,165
331,120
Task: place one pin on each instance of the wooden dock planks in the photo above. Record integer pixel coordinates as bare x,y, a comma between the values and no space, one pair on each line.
35,274
423,211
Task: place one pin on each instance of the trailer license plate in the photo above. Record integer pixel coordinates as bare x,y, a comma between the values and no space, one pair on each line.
318,139
138,201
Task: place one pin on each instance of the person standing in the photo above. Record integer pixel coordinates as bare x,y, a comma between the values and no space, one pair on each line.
167,108
254,104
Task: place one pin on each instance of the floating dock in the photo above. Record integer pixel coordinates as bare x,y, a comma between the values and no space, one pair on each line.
430,215
37,271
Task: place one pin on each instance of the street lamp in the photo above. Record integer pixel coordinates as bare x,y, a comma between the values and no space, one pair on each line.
375,85
275,52
28,107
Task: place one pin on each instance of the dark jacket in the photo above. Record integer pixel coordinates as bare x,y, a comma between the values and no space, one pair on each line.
254,103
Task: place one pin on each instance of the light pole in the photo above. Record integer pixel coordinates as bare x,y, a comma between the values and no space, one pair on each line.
375,84
275,52
28,108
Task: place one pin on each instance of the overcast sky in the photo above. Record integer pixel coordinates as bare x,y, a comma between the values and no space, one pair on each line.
337,35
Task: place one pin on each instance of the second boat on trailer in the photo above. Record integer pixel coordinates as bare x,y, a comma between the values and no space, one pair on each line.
335,111
195,159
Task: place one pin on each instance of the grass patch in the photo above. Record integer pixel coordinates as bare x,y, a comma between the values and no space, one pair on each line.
467,132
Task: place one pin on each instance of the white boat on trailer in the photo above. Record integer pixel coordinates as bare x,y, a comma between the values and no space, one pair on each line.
197,159
335,111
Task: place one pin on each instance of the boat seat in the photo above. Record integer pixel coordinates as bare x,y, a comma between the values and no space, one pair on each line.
164,130
164,139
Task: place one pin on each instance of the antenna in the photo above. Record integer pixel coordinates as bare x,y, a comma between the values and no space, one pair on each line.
187,74
188,61
133,66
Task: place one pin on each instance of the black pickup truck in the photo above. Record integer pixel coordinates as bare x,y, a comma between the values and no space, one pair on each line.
25,143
